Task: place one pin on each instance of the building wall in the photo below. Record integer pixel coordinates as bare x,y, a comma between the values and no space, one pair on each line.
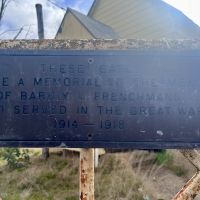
142,19
73,29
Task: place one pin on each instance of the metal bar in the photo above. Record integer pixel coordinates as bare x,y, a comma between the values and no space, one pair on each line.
45,151
40,21
192,188
86,174
96,157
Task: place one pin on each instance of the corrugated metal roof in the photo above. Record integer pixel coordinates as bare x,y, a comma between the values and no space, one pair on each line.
94,4
144,19
96,28
179,23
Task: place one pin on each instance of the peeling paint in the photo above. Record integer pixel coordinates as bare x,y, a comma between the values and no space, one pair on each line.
142,131
63,145
190,190
87,174
159,132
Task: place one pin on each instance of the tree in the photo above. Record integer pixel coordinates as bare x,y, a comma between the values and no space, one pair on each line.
3,6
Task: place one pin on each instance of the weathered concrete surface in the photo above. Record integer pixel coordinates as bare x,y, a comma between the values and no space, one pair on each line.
99,44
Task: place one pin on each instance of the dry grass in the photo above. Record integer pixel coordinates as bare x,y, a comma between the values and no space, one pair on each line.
121,176
57,178
52,179
115,179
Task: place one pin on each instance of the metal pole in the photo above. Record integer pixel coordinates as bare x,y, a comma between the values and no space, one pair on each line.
192,187
45,151
40,21
86,174
96,157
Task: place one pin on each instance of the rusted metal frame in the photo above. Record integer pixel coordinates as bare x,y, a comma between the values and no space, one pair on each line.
86,174
192,188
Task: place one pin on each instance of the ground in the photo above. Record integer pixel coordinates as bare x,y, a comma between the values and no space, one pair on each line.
135,175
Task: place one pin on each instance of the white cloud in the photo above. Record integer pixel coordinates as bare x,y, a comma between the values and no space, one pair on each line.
22,13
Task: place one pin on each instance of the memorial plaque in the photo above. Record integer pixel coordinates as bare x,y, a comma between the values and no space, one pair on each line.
119,99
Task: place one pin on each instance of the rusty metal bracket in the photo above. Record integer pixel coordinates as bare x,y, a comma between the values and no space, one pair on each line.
192,188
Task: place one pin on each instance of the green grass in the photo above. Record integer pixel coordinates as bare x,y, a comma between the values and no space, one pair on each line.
166,159
163,158
51,179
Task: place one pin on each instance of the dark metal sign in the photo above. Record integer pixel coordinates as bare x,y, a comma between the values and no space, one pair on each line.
138,99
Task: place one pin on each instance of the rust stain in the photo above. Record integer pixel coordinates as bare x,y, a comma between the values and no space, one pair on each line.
192,187
182,195
83,196
83,174
87,174
84,178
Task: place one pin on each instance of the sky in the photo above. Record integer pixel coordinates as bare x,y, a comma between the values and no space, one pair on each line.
190,8
22,14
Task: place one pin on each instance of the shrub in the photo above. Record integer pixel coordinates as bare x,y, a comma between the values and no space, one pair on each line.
15,157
